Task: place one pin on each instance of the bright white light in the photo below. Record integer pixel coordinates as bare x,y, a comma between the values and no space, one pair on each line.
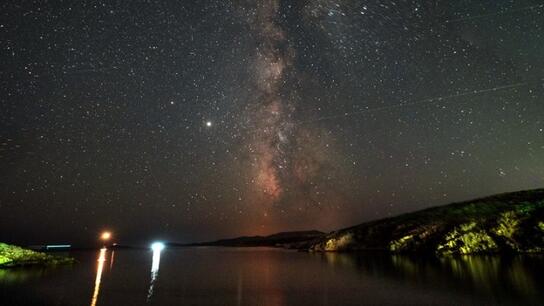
208,123
157,246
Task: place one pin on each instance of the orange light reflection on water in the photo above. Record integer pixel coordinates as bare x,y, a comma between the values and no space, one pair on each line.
98,279
111,259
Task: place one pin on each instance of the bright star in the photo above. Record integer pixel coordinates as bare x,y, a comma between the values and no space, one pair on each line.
208,123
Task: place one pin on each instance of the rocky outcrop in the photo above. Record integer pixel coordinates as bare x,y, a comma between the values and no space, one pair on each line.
13,256
512,222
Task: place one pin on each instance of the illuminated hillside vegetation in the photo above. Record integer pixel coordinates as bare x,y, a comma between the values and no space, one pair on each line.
512,222
12,256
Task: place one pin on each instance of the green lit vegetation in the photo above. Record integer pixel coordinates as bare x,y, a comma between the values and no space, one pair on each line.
340,243
502,223
400,244
508,224
4,260
11,256
467,239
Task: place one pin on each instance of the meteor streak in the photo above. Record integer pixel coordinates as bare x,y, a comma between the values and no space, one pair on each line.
435,100
506,12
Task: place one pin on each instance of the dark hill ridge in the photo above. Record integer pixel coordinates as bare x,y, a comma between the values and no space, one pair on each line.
511,222
279,239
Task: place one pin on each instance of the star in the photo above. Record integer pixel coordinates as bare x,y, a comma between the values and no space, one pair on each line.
209,123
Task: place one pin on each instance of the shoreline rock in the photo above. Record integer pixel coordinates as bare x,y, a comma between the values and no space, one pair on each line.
505,223
13,256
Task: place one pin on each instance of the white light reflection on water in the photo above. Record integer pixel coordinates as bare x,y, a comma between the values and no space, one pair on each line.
98,279
111,259
157,248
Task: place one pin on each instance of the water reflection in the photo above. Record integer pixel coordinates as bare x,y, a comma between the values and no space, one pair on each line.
111,259
482,274
157,249
98,279
220,276
19,275
239,289
249,273
491,272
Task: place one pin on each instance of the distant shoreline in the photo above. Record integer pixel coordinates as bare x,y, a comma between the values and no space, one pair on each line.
508,223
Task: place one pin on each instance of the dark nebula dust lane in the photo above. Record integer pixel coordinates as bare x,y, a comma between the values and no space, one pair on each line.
280,167
194,120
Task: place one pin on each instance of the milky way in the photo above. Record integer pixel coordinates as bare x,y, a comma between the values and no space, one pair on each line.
284,168
272,113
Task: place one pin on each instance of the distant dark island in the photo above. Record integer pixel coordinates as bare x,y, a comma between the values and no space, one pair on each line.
504,223
14,256
285,239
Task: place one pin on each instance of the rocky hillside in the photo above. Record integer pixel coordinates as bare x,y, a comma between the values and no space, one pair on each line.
512,222
12,256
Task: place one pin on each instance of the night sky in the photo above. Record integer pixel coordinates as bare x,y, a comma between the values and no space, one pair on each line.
195,120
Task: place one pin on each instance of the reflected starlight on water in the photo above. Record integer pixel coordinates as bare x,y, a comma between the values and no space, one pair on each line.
99,269
157,248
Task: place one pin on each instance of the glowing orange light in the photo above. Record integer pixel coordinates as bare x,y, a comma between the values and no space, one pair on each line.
105,236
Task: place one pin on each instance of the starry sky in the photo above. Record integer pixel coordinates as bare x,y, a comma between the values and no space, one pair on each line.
194,120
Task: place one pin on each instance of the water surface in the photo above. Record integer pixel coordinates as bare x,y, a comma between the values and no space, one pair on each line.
264,276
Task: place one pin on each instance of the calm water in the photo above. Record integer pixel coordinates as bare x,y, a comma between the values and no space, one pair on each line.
260,276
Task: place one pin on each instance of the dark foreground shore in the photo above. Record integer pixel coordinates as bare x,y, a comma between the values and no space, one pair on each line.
14,256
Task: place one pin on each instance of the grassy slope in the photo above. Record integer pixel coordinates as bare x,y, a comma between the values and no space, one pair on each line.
11,256
512,222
